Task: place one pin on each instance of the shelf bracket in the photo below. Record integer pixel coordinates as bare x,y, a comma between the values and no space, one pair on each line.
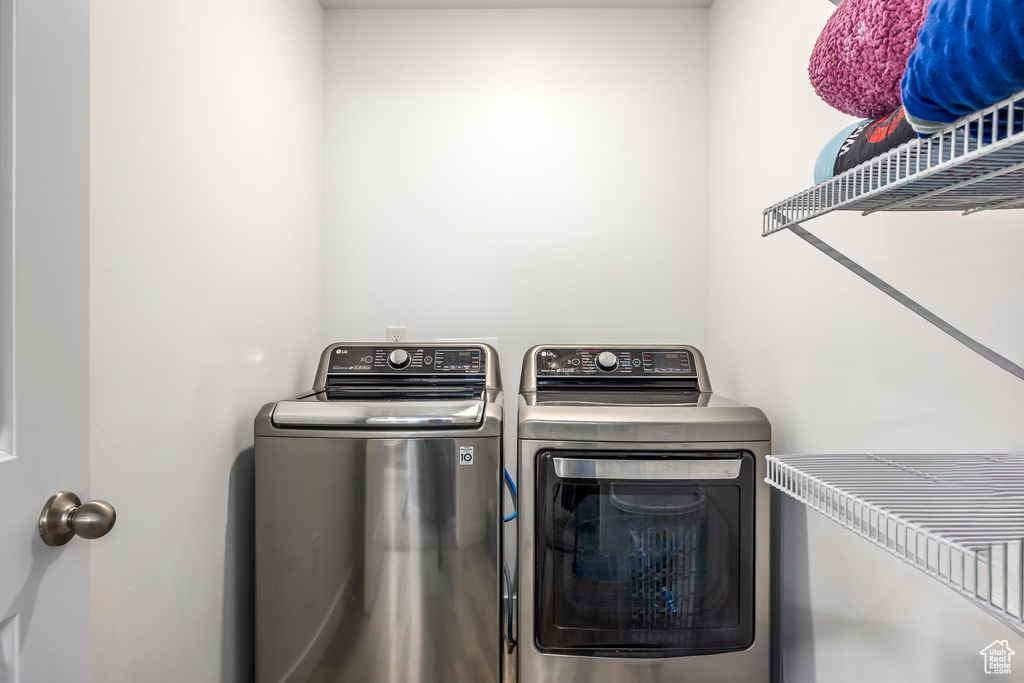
883,286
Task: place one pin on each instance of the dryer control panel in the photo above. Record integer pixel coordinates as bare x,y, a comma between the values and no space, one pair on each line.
407,360
615,362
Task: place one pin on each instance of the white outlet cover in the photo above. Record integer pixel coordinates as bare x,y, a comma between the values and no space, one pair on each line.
394,334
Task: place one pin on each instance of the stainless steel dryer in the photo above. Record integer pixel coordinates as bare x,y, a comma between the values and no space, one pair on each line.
644,531
378,520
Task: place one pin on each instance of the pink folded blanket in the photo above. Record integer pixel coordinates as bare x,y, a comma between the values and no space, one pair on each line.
860,56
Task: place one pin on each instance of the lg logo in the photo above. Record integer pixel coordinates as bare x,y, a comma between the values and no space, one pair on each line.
465,455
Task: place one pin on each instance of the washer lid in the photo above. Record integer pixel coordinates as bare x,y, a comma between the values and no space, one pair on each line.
380,414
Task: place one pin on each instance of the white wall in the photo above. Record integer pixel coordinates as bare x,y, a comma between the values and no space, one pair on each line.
838,366
535,176
205,227
551,168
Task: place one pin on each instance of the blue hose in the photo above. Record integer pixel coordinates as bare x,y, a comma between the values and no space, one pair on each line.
508,577
515,496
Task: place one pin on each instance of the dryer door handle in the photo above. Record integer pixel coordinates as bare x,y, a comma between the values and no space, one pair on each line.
661,470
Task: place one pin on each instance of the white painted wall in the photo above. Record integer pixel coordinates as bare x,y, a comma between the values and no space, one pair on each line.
535,176
838,366
551,166
205,227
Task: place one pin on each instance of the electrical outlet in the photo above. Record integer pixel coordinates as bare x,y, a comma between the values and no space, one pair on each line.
395,334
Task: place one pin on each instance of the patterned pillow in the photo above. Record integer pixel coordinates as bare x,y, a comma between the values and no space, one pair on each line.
860,56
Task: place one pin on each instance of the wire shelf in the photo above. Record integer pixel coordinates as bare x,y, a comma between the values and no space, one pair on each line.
958,518
974,164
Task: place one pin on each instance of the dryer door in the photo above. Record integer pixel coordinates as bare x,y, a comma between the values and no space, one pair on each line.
644,556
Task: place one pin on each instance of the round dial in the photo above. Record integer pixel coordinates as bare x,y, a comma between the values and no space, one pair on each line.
398,359
607,361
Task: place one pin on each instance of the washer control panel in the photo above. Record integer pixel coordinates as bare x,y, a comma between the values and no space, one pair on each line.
405,360
615,362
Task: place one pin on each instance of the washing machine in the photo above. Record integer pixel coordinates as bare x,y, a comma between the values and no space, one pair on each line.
378,519
644,536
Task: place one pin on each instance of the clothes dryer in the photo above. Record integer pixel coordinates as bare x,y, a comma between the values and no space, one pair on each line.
644,538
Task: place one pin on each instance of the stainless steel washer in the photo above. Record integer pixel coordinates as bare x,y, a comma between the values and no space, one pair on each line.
378,519
644,533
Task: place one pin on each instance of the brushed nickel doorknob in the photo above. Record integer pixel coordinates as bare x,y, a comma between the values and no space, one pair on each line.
65,515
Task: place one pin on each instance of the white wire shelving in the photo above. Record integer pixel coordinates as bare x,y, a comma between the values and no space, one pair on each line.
974,164
957,518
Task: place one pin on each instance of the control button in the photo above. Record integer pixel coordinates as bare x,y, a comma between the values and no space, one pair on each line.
607,361
398,359
428,360
575,361
367,359
636,361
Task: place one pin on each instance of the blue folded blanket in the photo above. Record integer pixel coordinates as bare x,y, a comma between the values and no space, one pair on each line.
969,55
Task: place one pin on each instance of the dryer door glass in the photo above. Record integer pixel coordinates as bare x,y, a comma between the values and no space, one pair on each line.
644,557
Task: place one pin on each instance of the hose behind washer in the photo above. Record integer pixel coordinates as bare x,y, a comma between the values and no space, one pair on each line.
504,565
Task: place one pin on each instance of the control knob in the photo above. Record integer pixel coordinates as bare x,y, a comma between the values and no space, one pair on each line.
398,359
607,361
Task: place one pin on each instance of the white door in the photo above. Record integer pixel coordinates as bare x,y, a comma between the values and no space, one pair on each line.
44,334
